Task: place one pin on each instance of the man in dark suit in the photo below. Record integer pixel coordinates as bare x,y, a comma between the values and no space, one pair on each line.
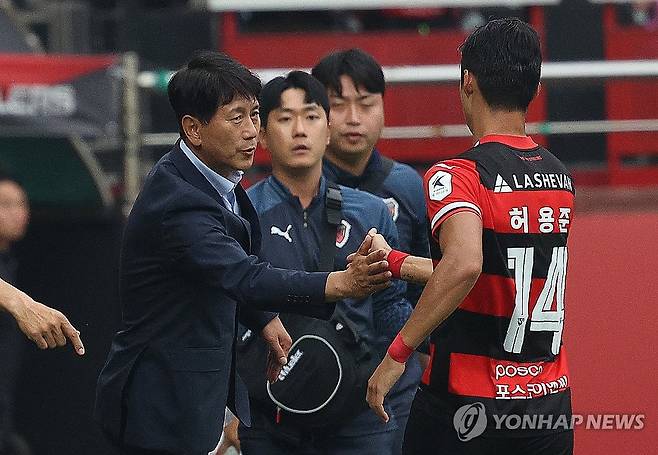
189,273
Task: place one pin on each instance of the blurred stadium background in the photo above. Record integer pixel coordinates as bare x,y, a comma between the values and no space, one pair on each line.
84,114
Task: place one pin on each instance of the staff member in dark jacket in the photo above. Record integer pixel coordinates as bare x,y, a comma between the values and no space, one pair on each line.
188,262
292,207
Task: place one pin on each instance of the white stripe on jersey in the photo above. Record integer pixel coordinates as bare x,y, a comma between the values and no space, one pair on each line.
453,206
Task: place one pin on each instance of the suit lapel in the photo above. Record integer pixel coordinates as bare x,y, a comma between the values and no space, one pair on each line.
249,218
192,175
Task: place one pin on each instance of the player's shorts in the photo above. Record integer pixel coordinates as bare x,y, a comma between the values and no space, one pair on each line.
428,435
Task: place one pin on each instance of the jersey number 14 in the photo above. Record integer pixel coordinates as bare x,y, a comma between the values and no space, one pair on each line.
543,319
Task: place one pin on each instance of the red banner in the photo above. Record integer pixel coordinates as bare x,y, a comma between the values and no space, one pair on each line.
60,95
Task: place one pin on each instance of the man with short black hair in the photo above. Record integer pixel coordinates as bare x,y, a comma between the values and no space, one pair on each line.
355,85
188,261
500,215
293,205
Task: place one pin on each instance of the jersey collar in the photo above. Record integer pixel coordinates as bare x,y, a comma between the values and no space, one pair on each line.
517,142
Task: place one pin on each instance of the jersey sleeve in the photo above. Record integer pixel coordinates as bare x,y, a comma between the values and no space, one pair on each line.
451,187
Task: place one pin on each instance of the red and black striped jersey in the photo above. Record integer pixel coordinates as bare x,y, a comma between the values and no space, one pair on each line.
503,345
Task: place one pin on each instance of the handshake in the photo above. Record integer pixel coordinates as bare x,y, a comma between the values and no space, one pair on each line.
367,271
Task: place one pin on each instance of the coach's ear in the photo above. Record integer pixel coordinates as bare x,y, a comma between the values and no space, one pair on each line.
192,129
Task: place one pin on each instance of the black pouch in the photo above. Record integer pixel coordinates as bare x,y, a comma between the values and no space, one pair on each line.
324,382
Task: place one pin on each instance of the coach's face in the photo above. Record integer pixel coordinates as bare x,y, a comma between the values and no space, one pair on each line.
227,143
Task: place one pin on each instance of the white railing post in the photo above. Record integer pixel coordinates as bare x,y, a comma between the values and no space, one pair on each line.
132,139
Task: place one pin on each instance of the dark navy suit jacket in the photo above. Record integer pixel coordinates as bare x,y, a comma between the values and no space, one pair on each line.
187,264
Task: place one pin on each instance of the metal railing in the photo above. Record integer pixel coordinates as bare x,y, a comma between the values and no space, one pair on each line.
286,5
552,72
444,74
432,74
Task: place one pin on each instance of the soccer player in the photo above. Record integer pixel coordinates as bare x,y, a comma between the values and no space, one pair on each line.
500,215
292,208
355,85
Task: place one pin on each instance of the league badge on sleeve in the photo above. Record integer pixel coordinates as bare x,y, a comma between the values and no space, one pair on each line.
343,233
440,185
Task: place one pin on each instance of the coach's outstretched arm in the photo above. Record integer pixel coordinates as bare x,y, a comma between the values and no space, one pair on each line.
460,239
247,279
45,326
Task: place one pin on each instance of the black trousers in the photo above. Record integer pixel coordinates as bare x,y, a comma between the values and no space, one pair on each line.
427,435
264,438
10,347
123,449
132,451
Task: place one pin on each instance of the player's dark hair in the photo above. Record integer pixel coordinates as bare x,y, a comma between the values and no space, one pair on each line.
358,65
270,95
208,81
504,55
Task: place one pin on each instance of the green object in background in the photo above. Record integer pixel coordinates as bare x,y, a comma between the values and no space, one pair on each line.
544,128
162,80
52,172
424,29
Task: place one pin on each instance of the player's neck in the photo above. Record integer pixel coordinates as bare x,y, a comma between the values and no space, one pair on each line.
499,122
303,183
354,163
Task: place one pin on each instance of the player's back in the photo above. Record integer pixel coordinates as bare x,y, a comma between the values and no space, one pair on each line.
502,346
